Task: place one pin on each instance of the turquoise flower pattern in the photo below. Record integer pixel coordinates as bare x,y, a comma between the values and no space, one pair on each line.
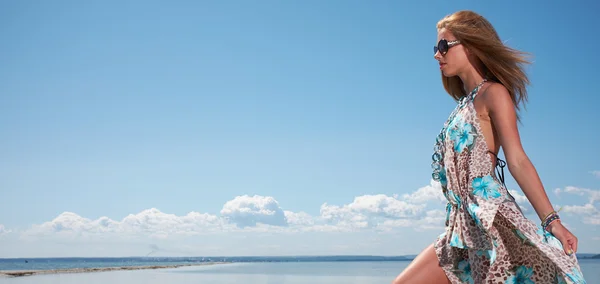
448,211
549,238
486,187
464,272
456,241
560,279
576,276
490,254
454,198
522,276
462,134
453,124
522,237
473,211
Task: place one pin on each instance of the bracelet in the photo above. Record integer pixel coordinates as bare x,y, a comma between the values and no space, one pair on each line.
549,219
553,212
549,223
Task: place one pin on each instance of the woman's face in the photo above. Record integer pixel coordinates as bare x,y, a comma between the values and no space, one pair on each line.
455,58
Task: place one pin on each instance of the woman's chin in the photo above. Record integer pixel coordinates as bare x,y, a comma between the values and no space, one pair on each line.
447,73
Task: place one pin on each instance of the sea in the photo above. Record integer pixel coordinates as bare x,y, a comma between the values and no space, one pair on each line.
255,270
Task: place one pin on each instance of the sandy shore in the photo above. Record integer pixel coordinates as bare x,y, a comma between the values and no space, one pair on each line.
19,273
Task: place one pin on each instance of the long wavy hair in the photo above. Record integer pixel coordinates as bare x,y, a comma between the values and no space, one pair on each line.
493,59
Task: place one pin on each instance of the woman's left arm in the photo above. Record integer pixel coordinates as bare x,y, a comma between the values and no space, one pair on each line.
502,113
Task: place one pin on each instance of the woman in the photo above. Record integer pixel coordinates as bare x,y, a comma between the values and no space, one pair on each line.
487,237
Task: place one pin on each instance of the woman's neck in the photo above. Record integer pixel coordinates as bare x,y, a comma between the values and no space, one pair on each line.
470,79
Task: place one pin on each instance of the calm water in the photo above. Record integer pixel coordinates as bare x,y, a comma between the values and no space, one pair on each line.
259,273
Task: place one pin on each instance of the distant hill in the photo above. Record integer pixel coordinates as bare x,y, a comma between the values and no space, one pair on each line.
309,258
588,255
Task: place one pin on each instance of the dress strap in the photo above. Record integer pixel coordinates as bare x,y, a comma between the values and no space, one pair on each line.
500,164
475,91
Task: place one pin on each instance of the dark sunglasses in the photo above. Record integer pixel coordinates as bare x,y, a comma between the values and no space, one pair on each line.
443,46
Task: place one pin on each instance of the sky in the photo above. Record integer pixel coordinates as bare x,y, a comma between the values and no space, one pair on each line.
203,128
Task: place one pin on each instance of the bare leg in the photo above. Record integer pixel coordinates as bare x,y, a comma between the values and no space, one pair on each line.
423,269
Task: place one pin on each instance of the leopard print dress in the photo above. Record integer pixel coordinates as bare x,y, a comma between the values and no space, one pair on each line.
487,238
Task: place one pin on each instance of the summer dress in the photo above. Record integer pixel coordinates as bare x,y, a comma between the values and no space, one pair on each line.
487,238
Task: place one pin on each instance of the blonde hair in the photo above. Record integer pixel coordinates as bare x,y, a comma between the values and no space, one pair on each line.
495,61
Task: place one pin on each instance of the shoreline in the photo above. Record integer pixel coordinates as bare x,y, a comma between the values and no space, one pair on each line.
22,273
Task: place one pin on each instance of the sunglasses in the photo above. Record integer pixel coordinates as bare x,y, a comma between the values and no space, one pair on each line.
443,46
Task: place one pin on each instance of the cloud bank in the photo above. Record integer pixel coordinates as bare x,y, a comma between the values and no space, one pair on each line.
419,210
383,219
260,214
589,211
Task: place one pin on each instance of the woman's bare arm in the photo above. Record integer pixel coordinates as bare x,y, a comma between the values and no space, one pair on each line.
503,115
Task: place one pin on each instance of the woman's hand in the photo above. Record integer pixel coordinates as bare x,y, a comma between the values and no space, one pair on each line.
568,240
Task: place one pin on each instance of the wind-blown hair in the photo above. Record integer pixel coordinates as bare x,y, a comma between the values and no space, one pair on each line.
493,59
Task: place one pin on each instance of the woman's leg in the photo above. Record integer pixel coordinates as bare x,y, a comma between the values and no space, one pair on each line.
423,269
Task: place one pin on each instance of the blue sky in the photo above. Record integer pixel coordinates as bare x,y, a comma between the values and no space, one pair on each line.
276,123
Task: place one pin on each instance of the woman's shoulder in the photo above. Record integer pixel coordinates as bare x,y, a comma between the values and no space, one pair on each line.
495,96
495,90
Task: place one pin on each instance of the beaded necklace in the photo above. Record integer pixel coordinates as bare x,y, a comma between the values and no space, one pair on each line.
438,149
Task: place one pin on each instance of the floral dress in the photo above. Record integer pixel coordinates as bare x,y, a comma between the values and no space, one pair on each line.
487,238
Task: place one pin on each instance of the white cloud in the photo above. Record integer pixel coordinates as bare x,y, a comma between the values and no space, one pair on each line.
3,230
593,195
154,222
587,209
593,220
431,192
589,212
434,219
389,224
247,211
596,173
521,200
300,218
372,211
243,213
383,205
150,222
